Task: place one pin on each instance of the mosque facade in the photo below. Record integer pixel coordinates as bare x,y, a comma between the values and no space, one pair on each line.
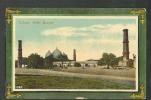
57,54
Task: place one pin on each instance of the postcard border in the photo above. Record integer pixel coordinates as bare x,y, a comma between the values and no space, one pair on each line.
140,12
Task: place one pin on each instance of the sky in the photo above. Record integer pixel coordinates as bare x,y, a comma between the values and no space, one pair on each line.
89,35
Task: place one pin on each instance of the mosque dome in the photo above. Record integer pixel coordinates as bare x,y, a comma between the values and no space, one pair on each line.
48,53
56,53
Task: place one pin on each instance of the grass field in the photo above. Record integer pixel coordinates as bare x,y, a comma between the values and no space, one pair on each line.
101,71
62,82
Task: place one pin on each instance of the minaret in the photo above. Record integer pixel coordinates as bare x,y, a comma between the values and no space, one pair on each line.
19,53
74,54
125,47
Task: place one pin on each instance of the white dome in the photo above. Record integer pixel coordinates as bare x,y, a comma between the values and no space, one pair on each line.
56,53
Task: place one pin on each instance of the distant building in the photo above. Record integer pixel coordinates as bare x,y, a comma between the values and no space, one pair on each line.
89,63
71,63
58,62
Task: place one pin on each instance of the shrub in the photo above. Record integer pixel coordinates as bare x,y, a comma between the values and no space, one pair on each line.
77,64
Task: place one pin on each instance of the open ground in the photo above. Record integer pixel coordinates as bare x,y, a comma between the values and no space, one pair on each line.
76,78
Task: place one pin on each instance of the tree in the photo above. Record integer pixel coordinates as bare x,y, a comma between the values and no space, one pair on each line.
76,64
114,62
25,61
117,60
120,58
131,63
35,61
108,59
49,61
101,62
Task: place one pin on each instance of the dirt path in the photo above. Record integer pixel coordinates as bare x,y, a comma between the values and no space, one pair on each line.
59,73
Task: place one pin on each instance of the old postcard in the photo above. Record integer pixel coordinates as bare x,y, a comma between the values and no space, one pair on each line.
63,51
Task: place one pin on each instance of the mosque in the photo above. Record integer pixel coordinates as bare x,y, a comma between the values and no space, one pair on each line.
57,55
61,59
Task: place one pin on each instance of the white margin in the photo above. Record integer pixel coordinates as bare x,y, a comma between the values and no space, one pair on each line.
73,17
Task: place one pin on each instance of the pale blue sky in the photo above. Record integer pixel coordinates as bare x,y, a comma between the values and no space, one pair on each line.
91,37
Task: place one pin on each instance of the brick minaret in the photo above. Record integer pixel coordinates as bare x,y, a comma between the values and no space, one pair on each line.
74,54
125,47
19,53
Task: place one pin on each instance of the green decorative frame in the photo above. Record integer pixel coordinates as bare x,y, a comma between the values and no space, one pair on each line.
140,12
